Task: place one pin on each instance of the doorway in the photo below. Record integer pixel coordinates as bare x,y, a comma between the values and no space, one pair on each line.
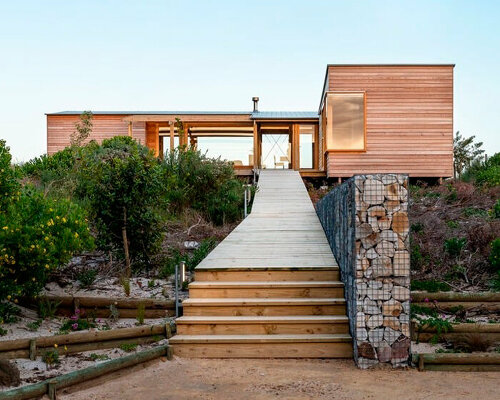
276,151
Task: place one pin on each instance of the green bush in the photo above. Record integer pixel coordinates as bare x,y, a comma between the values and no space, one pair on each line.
191,260
9,186
495,212
485,173
495,254
48,168
430,286
87,277
121,183
454,246
204,184
37,235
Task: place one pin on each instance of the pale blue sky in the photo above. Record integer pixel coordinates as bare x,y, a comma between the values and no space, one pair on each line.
216,55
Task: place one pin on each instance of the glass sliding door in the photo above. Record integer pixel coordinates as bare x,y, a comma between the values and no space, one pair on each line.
306,146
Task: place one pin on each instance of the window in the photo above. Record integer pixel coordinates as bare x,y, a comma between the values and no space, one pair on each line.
345,121
306,146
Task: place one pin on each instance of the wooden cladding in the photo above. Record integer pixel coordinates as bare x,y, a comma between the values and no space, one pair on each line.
409,120
60,128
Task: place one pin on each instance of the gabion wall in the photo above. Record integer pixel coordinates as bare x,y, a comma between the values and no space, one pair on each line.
375,265
337,213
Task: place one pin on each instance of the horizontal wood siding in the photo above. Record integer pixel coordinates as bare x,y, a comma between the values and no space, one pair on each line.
409,120
60,128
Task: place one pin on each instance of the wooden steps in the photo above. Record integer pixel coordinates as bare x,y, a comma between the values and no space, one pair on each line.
276,274
271,307
262,325
263,346
271,288
289,289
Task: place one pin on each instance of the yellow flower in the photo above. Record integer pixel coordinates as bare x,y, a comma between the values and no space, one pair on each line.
5,228
50,209
16,301
76,234
47,266
64,220
65,348
46,238
9,297
55,345
33,279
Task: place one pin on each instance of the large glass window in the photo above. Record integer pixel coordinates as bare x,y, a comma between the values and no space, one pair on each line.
306,146
345,121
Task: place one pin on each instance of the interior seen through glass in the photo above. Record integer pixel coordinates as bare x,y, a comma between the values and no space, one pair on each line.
275,151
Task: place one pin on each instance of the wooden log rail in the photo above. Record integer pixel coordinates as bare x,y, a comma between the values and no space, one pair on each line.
100,306
489,331
50,386
458,361
489,301
83,341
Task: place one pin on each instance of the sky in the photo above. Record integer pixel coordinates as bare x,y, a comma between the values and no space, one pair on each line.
216,55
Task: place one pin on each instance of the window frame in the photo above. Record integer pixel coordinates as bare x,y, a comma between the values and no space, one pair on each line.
325,109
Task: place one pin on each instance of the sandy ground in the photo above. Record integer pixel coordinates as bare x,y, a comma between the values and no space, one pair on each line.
282,379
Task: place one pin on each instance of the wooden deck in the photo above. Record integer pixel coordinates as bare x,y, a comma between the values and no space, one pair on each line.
282,229
271,288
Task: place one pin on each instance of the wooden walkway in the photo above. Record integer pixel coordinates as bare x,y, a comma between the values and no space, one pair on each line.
271,288
282,229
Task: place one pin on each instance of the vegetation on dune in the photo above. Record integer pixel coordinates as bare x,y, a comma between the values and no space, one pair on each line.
116,197
37,233
456,227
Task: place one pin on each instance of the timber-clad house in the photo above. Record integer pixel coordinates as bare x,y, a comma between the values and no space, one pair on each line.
371,119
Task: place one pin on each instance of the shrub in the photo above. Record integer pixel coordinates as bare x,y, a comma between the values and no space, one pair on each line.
430,286
496,209
454,246
47,308
485,173
204,184
8,313
54,170
121,182
128,347
37,235
51,357
495,254
197,256
34,325
77,323
87,277
9,186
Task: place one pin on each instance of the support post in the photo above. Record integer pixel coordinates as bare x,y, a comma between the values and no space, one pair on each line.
32,349
172,127
130,128
245,212
52,390
176,291
256,156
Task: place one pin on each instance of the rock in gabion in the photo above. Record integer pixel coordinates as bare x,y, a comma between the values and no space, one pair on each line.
383,289
366,222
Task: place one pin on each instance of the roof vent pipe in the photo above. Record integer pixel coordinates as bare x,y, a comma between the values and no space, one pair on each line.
255,104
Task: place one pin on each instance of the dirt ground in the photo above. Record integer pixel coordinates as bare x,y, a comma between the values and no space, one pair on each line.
283,379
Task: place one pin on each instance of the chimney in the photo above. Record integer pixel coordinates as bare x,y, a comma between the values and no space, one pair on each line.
255,104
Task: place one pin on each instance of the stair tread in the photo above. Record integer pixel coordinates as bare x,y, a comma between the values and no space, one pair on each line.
267,268
264,284
280,338
262,301
262,319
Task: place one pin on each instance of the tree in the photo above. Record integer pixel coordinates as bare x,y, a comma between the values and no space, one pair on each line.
465,152
120,180
83,128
